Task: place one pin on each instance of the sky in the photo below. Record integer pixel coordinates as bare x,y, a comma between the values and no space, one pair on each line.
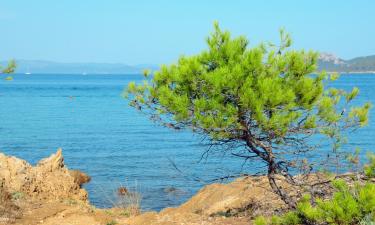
159,31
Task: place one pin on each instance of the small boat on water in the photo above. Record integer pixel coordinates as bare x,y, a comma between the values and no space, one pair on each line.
28,71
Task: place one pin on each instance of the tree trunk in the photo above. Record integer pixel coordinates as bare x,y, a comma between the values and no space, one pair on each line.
273,168
272,173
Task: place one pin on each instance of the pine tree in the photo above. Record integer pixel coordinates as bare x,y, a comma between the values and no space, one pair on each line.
264,102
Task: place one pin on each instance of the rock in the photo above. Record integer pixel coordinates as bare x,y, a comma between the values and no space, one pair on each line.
50,180
52,163
79,177
169,189
122,191
248,195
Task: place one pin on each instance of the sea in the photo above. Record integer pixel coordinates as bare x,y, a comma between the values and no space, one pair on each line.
103,136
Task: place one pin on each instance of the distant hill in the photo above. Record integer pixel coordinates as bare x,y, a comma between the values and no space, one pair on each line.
43,67
332,63
328,62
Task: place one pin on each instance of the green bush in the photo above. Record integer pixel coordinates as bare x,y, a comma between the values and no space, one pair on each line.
261,220
349,205
370,167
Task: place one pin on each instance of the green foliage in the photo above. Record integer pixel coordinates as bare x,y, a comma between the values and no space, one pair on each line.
349,205
9,68
220,90
261,220
290,218
146,72
369,168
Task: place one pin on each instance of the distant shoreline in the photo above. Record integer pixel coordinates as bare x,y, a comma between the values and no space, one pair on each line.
138,73
78,74
355,72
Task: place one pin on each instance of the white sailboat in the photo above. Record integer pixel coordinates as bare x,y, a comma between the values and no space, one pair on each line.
27,71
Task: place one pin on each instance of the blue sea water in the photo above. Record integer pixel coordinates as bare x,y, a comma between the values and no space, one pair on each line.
104,137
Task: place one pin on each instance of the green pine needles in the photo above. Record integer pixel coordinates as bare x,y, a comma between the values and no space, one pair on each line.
349,205
263,102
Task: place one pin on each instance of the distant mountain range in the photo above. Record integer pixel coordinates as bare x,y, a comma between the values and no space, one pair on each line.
327,61
332,63
43,67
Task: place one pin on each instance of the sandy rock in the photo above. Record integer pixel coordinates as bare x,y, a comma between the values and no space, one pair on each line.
52,163
247,195
13,171
49,180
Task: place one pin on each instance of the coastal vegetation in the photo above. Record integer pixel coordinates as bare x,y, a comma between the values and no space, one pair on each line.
261,104
351,203
9,68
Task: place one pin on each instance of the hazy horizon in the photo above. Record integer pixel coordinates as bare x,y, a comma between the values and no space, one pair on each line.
159,32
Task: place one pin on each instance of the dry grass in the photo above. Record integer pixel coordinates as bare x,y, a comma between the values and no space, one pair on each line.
125,199
129,202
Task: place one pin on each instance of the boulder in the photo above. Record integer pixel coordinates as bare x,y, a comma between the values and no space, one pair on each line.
49,180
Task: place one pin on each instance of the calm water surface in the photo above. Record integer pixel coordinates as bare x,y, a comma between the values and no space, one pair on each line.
104,137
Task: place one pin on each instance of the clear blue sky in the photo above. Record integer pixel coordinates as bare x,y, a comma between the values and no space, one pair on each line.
159,31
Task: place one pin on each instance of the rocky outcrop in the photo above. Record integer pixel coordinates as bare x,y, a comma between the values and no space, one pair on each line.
233,203
246,195
50,180
55,196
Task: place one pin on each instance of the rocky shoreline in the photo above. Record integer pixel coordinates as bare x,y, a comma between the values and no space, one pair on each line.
49,193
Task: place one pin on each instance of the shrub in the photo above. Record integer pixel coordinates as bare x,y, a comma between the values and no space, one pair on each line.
349,205
261,220
8,68
369,169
